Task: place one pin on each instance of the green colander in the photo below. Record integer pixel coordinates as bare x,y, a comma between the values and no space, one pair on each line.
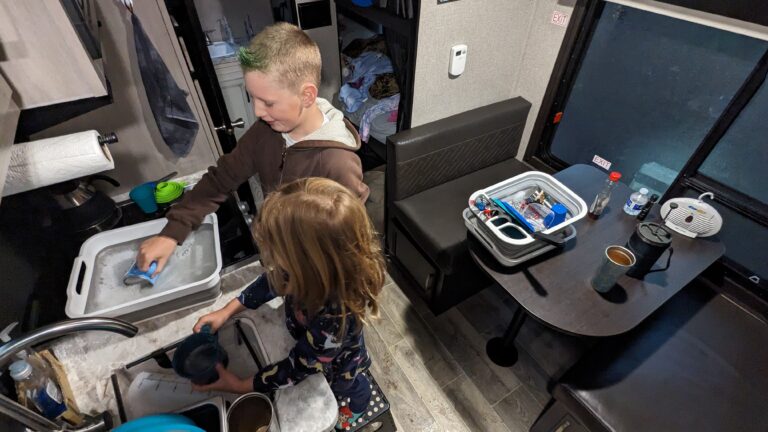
166,192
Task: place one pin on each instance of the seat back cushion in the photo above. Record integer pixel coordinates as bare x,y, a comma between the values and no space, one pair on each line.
435,153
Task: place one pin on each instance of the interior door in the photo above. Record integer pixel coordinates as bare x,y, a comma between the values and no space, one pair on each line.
186,24
318,19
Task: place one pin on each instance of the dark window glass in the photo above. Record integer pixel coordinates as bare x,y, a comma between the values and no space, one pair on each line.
740,159
648,90
746,241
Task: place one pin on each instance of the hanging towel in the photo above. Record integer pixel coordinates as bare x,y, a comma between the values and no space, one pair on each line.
173,115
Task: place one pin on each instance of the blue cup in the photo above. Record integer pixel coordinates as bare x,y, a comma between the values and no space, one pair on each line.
144,197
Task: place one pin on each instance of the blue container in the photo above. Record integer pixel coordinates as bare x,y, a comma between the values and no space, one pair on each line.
144,197
159,423
557,216
363,3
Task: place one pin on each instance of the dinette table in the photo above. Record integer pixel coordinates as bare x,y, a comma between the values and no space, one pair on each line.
555,288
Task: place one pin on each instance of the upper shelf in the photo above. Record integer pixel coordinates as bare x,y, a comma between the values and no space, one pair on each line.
376,15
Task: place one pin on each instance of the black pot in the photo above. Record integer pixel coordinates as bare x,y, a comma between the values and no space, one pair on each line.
648,243
82,209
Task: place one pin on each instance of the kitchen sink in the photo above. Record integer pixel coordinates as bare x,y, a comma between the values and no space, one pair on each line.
149,386
221,49
252,339
209,415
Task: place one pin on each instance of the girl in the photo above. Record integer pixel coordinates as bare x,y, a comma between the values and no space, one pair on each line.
323,256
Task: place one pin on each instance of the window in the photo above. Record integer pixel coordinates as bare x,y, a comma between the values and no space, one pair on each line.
647,90
676,107
740,159
736,169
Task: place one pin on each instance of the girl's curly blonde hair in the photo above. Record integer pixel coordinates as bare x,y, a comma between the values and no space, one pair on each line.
319,247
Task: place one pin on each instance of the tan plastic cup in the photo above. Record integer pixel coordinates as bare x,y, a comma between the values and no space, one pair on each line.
616,262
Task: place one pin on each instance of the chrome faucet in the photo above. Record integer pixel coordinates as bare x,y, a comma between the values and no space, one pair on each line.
33,420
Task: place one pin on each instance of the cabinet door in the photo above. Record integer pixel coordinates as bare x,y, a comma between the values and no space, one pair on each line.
9,116
43,58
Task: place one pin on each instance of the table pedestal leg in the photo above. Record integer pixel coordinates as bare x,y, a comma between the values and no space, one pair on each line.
501,350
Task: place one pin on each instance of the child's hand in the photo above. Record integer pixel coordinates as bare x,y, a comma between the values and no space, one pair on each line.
228,382
215,319
157,248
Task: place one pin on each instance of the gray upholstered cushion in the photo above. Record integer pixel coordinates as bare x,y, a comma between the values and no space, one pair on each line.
433,217
699,364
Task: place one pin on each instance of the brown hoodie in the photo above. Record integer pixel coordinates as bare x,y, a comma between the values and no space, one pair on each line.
328,152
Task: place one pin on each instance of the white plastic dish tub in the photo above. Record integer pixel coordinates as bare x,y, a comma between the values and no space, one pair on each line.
576,206
517,256
204,291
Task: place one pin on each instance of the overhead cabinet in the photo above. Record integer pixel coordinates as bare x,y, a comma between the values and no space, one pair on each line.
9,115
43,57
50,55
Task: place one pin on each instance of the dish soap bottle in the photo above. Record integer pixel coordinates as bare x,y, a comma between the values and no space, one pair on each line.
601,199
35,382
636,202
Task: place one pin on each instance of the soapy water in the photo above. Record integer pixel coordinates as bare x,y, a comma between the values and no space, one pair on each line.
191,262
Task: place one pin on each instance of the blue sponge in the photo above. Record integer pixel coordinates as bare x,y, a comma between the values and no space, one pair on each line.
134,275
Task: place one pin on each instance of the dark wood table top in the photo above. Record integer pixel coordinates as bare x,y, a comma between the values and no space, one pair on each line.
555,287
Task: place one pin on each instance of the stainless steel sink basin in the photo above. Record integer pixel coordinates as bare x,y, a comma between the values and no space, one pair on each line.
262,338
209,415
221,49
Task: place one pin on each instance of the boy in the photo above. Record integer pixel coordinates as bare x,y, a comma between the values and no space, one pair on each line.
299,135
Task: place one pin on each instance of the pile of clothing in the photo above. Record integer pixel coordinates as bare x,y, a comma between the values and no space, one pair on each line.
369,74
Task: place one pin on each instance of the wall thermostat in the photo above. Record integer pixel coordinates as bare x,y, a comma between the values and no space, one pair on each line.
458,60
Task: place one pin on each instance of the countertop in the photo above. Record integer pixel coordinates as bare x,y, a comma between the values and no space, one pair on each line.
90,358
189,179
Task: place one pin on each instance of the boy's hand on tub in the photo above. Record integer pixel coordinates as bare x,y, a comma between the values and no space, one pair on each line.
215,319
228,382
157,248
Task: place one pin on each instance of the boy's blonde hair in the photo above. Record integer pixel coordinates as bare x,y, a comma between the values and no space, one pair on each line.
285,52
319,247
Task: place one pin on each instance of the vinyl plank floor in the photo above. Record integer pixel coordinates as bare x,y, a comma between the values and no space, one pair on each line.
458,331
415,299
433,354
387,328
431,388
469,402
441,409
526,370
406,405
519,410
485,310
468,348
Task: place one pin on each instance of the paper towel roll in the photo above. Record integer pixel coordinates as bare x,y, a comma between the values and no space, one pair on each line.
44,162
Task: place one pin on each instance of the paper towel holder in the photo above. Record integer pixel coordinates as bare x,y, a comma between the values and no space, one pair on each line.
109,138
